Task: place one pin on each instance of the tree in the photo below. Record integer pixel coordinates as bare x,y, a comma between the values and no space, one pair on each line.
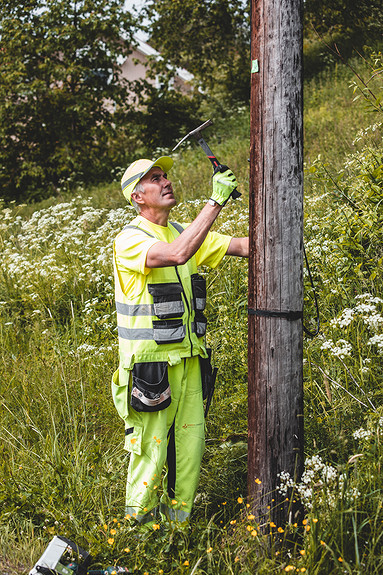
209,38
61,99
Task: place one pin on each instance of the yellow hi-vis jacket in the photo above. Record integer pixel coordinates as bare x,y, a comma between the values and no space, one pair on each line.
164,322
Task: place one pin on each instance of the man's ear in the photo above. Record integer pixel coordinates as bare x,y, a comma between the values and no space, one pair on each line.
136,196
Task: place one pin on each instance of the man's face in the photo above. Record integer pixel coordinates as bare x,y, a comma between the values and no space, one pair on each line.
158,191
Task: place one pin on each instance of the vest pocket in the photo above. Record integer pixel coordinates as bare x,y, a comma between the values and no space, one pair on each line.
167,300
199,291
200,323
168,331
150,386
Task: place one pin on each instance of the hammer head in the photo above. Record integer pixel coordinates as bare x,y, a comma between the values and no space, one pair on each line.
195,133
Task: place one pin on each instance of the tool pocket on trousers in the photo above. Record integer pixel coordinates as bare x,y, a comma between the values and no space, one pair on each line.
200,323
208,375
150,386
168,331
120,391
199,291
133,439
167,300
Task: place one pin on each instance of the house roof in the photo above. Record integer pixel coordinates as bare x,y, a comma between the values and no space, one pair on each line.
147,50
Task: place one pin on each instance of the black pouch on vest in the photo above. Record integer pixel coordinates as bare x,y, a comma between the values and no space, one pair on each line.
150,386
200,323
199,291
168,331
167,300
208,377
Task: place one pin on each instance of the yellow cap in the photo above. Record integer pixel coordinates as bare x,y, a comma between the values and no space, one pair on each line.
137,170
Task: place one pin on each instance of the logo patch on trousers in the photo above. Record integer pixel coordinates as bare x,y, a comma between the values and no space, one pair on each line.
186,425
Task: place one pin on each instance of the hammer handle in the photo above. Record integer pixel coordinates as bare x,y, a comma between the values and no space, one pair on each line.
216,165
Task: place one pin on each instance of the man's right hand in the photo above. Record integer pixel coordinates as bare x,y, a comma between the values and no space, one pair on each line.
224,183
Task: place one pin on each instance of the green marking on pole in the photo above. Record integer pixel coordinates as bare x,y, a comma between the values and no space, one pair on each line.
254,67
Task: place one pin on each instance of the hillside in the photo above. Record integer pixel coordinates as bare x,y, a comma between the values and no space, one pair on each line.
63,467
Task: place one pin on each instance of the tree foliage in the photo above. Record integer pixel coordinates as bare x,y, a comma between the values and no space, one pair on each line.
210,39
61,100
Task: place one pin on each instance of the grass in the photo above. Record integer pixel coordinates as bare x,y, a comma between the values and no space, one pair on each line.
62,465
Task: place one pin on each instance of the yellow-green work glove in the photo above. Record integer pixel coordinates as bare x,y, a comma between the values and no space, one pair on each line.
224,183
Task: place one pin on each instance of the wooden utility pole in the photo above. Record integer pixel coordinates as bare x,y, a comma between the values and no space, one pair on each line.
276,261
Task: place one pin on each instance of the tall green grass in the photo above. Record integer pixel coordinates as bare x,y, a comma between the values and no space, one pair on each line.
62,465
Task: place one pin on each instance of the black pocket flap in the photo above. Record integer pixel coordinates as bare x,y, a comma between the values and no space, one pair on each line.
166,290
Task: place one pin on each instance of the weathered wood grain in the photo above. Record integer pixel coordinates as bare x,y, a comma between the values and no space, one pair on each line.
276,261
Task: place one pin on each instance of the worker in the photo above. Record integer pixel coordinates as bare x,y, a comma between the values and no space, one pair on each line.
160,299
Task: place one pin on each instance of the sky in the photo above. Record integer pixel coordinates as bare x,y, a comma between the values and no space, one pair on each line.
134,6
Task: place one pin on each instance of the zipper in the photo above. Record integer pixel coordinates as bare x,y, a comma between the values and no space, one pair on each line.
189,310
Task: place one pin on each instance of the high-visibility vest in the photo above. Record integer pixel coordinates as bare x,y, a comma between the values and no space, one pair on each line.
165,321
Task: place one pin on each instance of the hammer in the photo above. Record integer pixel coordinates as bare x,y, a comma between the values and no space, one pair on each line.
216,164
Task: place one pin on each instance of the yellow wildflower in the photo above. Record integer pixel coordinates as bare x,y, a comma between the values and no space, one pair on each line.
127,550
254,533
315,520
110,540
307,527
289,568
304,521
272,524
251,517
240,500
233,522
280,530
114,520
186,562
302,552
156,526
105,527
249,528
258,481
340,559
174,502
113,532
209,550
